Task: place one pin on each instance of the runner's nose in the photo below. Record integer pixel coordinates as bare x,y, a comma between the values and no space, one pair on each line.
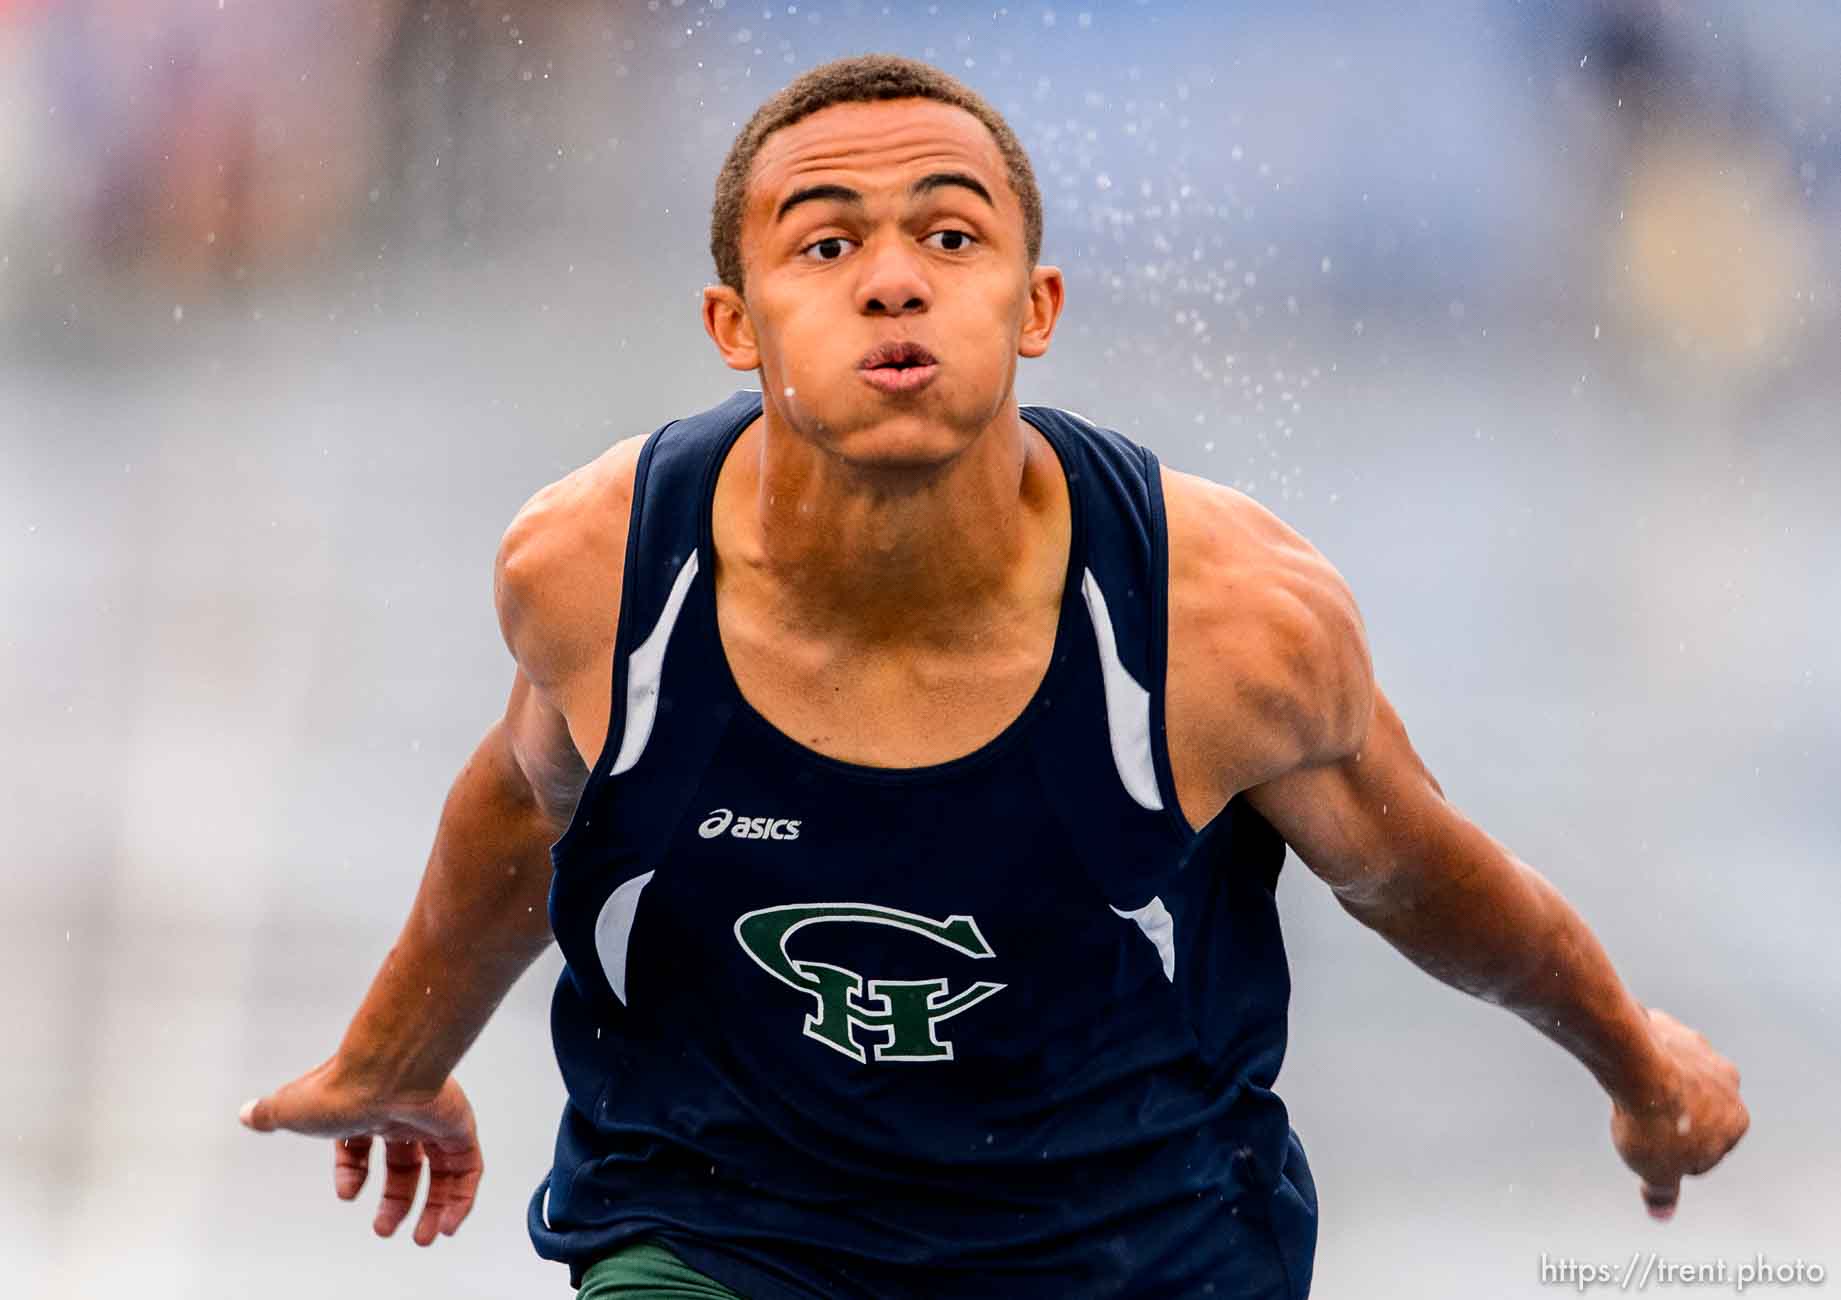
893,282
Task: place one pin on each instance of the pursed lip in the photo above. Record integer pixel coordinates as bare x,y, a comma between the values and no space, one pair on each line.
899,355
898,367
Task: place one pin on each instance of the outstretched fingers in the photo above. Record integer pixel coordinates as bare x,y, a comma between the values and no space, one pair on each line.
1661,1201
351,1164
402,1171
453,1182
437,1131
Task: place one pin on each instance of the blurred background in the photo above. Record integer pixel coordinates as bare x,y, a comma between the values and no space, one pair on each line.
1525,314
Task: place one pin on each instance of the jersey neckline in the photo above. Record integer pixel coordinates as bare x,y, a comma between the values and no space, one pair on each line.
750,403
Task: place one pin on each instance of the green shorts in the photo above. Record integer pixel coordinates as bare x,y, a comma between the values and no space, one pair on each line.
645,1270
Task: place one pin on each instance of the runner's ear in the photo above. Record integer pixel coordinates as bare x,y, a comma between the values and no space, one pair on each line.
726,321
1047,292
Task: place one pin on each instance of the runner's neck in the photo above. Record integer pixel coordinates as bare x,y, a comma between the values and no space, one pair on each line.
923,557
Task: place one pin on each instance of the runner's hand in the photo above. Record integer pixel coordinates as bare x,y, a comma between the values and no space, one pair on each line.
437,1129
1704,1121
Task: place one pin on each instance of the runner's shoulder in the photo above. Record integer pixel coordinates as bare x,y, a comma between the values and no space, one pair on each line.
1262,620
556,580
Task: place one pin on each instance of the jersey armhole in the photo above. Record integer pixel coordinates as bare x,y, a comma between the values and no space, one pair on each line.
623,619
1157,667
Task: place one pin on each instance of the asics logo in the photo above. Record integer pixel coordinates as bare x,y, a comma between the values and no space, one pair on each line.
747,828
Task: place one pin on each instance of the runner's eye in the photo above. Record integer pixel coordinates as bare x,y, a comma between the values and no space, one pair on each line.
827,250
950,241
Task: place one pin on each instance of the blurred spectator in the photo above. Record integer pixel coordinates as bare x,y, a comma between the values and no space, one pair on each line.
1713,245
199,139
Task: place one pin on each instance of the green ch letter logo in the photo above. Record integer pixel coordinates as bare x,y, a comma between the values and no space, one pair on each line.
906,1011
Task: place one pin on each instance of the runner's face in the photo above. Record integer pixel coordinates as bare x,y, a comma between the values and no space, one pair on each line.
889,290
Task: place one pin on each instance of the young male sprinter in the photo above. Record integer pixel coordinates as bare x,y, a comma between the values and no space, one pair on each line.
922,766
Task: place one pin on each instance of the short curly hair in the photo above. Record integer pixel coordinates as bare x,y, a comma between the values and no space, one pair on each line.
865,78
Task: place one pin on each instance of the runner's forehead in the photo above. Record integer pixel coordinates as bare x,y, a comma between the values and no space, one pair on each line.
883,144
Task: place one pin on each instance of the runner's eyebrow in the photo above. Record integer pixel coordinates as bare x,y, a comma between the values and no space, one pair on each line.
844,194
939,180
816,193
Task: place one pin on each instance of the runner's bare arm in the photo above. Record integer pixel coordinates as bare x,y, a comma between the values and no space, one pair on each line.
478,921
1336,775
480,916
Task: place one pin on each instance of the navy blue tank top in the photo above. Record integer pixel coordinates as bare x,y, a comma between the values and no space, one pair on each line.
1003,1026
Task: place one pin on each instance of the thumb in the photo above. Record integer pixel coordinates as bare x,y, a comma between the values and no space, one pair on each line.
308,1105
292,1106
1661,1200
258,1114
